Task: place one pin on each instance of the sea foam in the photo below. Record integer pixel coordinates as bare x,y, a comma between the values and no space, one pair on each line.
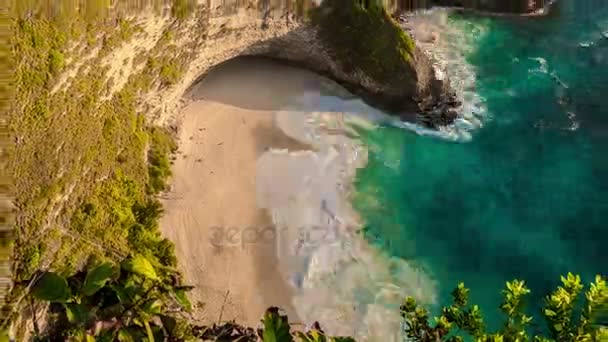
457,38
338,278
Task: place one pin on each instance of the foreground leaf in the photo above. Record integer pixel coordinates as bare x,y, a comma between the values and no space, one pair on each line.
149,331
152,307
97,278
182,299
77,313
276,327
140,265
51,287
4,335
311,336
125,336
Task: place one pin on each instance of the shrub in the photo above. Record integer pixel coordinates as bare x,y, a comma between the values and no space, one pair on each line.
159,169
31,261
182,9
565,323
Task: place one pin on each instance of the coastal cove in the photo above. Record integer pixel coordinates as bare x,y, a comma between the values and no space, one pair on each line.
514,183
306,170
261,197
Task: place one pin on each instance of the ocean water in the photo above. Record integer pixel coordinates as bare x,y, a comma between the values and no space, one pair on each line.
525,195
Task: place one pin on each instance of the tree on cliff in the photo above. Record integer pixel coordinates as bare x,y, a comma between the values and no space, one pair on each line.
568,318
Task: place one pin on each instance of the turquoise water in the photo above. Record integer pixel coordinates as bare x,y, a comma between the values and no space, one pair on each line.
527,197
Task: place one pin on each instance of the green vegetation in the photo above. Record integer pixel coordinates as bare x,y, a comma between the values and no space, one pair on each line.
162,146
169,69
86,165
129,298
138,301
109,303
363,37
568,319
182,9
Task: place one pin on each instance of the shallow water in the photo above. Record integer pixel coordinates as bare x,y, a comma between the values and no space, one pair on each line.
527,196
352,288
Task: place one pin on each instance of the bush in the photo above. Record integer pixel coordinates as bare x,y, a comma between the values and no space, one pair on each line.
56,62
159,169
566,320
170,73
31,261
133,298
182,9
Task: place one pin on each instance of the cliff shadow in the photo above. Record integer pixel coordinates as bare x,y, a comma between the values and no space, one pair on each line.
276,73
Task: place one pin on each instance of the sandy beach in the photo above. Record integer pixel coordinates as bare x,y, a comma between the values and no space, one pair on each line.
260,204
210,210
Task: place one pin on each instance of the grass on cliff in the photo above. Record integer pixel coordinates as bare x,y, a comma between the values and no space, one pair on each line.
362,36
86,165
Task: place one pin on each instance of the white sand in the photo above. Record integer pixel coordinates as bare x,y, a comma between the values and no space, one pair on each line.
211,207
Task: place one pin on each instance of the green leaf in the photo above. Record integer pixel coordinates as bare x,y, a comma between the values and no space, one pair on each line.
76,313
105,336
140,265
549,313
97,278
4,335
276,327
182,299
128,293
51,287
125,336
149,331
122,295
169,323
152,307
302,337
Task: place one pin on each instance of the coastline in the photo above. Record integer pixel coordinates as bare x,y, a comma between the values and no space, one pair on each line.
304,253
283,164
338,277
281,198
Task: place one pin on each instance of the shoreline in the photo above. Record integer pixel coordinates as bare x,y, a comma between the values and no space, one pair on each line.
339,278
308,163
